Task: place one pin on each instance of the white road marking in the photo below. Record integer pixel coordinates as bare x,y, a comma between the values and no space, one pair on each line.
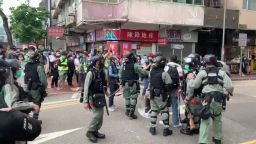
46,137
76,95
57,102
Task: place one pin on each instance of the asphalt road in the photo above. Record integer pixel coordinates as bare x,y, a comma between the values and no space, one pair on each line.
65,122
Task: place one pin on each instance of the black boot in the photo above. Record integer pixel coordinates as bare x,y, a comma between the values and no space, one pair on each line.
185,120
195,131
127,112
99,135
132,115
186,131
216,141
152,130
91,137
167,132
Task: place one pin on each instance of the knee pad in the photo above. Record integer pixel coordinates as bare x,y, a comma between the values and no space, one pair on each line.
165,115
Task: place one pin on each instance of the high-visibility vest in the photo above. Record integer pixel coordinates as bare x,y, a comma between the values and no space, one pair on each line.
63,61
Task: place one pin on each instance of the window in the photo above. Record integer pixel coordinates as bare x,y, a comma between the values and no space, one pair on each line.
196,2
249,4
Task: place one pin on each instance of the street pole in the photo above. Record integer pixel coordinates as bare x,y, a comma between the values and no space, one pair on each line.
223,31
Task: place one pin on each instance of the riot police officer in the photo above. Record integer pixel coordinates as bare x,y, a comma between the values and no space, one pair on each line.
36,81
216,83
191,97
94,97
160,83
129,76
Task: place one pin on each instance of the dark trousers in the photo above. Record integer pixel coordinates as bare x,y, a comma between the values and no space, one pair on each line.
70,77
82,77
55,79
113,88
77,77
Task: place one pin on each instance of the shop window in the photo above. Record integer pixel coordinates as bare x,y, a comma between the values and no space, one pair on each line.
249,4
196,2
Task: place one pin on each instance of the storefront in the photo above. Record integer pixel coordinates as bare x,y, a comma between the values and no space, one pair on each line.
121,41
177,42
233,51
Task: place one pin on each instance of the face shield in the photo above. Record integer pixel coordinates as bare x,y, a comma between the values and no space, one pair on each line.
15,66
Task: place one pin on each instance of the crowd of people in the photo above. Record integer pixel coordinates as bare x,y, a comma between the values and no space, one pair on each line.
200,83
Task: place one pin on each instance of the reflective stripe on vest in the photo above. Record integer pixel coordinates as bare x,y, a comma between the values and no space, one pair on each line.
63,62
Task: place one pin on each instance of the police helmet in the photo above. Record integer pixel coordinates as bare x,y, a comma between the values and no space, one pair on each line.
196,58
94,59
160,61
4,71
131,57
36,58
14,64
210,59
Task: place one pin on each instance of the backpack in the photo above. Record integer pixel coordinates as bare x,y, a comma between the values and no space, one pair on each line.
173,72
82,92
17,126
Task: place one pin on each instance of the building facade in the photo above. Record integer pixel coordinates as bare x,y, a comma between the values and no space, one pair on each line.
144,26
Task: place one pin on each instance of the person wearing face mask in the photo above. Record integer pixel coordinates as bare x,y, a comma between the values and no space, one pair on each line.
30,53
54,69
14,102
62,69
94,98
36,81
71,69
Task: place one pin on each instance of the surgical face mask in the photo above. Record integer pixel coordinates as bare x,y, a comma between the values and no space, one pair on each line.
57,54
31,53
18,74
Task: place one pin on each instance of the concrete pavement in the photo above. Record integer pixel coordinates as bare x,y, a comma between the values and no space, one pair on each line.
65,121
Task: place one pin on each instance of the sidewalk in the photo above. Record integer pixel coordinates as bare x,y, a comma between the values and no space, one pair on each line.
66,89
236,77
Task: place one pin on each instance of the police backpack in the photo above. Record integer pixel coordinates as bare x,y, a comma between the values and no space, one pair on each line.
174,74
17,126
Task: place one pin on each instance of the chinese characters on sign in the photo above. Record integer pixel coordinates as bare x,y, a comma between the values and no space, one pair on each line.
56,31
139,35
125,34
173,35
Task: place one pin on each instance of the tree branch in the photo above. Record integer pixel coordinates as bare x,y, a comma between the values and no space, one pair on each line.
6,27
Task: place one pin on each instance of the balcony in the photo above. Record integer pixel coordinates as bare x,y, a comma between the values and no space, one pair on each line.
214,18
141,11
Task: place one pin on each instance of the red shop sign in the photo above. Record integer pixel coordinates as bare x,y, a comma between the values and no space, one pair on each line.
56,31
112,47
162,41
139,35
125,47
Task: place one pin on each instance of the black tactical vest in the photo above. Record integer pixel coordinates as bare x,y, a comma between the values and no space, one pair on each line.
156,81
98,82
31,73
2,101
213,76
128,72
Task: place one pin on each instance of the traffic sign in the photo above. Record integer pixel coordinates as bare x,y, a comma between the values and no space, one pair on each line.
242,40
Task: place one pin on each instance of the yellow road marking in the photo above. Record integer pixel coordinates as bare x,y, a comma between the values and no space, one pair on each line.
59,104
250,142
